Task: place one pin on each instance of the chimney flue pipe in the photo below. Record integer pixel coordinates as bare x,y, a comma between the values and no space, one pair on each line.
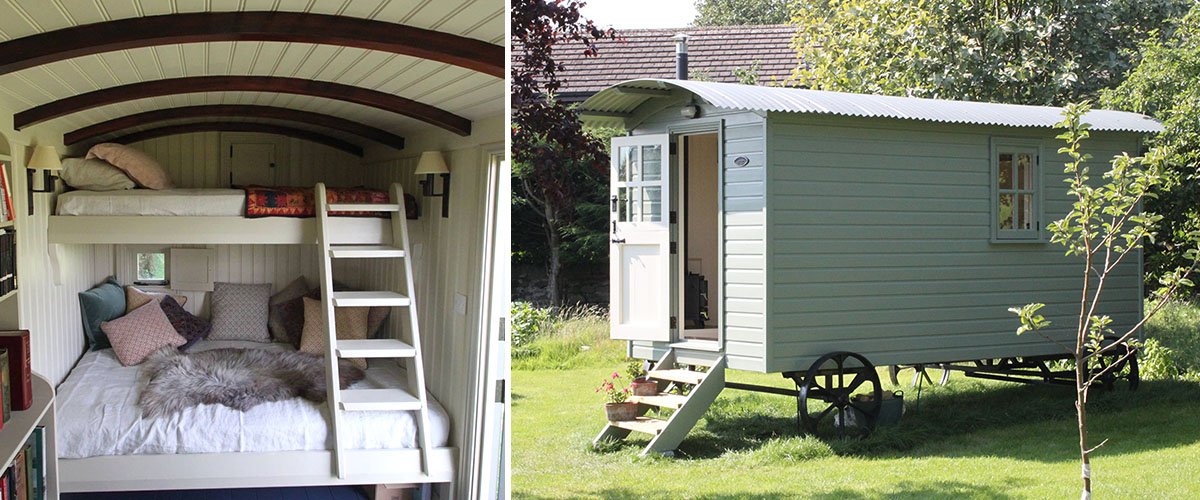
681,56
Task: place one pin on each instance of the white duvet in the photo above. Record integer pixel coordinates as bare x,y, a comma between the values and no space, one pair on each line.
194,202
97,415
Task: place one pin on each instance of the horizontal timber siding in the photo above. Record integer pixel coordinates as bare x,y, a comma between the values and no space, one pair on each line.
879,243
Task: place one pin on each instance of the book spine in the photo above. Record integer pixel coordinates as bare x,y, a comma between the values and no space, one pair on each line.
39,460
8,204
30,483
5,484
19,375
18,466
5,385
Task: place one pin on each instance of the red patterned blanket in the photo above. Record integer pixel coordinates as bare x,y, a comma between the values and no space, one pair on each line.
264,201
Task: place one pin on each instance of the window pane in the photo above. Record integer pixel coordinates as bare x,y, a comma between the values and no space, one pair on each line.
652,163
623,204
1006,171
652,204
1024,171
1025,211
1006,211
151,266
635,205
624,159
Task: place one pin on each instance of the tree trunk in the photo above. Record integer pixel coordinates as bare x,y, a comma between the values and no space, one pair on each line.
554,266
1081,376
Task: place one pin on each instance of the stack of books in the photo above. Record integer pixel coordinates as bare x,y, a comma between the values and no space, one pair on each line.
16,380
25,477
6,205
8,260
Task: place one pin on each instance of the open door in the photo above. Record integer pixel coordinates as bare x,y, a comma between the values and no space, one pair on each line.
639,252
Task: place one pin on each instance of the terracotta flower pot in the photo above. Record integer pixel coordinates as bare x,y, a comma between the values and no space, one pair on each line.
620,411
643,387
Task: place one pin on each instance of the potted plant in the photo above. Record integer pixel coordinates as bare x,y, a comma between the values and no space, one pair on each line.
617,406
640,385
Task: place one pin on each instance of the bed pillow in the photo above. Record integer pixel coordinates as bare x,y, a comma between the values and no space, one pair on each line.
94,175
139,166
141,332
351,324
282,316
135,298
105,302
239,312
191,327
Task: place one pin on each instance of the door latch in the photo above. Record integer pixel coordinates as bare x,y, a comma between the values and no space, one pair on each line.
614,203
614,238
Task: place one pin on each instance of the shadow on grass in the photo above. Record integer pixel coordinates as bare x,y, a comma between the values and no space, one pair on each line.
905,489
957,421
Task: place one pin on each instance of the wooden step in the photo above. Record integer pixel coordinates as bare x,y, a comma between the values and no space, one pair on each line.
378,400
661,400
647,425
369,299
365,252
678,375
374,348
364,207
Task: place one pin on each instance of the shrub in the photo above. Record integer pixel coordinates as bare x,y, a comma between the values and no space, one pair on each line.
527,324
1176,332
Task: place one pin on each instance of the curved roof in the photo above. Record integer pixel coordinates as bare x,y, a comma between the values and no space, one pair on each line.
622,101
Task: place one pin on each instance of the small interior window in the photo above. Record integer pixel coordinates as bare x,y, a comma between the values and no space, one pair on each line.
1016,171
151,268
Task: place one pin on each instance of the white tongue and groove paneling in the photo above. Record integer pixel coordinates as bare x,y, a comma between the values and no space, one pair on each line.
457,90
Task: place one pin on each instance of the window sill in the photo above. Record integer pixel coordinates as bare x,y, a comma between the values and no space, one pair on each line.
153,284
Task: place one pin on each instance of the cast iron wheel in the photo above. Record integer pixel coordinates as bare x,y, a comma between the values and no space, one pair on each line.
1125,369
832,380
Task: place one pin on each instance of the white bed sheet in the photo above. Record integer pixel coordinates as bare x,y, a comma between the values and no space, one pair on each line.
201,202
97,415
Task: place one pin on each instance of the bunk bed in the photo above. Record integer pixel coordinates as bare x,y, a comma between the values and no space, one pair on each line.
106,445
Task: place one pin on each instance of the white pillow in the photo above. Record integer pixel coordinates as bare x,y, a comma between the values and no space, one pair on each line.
139,166
94,175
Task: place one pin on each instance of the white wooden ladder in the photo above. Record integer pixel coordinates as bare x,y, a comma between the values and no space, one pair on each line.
675,369
407,349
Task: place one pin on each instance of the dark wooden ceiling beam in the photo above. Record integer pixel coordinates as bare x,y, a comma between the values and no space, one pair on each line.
278,84
265,128
88,39
233,111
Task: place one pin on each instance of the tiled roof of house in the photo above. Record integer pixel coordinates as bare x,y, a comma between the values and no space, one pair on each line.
650,53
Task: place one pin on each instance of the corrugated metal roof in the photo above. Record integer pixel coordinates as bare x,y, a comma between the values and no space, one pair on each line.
619,99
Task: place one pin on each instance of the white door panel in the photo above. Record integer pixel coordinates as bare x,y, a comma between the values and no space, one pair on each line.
639,252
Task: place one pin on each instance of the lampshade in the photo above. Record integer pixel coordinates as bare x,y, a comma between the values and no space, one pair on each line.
432,162
44,158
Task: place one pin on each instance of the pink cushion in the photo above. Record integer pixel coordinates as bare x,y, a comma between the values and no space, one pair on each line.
141,332
139,166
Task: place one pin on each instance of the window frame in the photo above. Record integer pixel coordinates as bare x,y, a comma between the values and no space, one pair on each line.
166,253
1016,146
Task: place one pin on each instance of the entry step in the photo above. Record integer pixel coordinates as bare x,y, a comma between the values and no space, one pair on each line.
681,376
661,400
647,425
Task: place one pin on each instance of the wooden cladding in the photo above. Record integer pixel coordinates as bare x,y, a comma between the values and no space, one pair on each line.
88,39
233,111
265,128
286,85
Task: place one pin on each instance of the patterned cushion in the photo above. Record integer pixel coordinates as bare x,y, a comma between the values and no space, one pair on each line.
141,332
105,302
351,324
283,201
191,327
281,316
135,298
239,312
375,320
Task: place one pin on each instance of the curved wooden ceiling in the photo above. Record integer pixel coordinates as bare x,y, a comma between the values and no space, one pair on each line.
194,84
233,111
441,59
265,128
295,27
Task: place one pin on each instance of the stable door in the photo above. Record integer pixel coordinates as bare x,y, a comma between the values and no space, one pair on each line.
640,235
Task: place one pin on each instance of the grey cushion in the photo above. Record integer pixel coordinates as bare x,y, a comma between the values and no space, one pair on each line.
105,302
239,312
280,315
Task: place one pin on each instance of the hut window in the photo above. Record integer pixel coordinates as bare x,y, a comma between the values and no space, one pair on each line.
640,183
1016,175
151,268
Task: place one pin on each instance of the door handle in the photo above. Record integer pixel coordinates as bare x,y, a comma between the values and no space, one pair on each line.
614,203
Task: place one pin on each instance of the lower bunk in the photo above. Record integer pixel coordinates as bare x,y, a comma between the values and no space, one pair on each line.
105,443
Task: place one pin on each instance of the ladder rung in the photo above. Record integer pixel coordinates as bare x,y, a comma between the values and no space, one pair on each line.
374,348
647,425
661,400
369,299
365,252
364,207
378,400
681,376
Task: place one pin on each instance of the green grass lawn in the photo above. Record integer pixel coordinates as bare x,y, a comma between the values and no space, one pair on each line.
969,439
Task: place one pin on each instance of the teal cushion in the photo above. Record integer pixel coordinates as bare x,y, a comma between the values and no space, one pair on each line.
106,302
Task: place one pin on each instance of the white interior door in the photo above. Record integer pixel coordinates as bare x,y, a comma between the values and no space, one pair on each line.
640,235
252,164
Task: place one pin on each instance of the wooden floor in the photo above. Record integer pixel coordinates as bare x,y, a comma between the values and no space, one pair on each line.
312,493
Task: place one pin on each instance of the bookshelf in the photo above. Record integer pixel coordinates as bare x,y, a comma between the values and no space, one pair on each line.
21,424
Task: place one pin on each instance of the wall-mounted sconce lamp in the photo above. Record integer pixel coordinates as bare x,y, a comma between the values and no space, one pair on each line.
432,162
45,158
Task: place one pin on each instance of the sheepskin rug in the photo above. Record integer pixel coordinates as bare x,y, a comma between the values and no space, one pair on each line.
238,378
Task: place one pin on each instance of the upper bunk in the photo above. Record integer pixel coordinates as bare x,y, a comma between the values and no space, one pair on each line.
221,216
